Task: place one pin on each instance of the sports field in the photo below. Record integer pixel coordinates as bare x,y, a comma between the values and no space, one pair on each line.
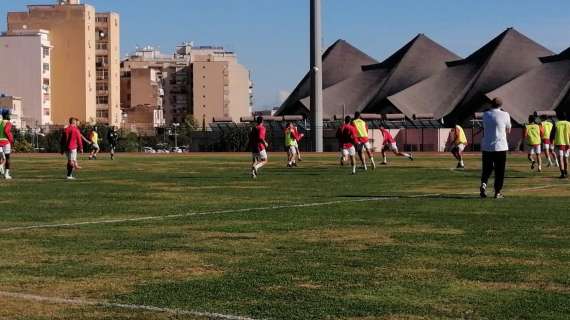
194,237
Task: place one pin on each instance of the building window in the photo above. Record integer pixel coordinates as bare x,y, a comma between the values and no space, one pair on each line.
46,112
102,114
102,87
101,46
102,100
45,51
102,74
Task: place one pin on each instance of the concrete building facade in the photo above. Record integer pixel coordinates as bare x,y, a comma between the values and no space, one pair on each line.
14,104
25,61
107,63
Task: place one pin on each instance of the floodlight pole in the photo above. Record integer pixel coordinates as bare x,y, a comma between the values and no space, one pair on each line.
316,76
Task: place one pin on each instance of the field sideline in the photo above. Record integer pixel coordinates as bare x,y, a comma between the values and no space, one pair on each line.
194,237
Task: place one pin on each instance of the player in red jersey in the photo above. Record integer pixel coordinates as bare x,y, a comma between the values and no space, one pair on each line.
347,139
389,144
71,143
6,142
259,146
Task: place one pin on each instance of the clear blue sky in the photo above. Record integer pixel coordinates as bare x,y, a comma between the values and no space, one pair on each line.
271,36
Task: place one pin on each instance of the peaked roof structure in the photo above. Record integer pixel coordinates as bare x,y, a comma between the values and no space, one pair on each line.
458,92
544,88
417,60
340,62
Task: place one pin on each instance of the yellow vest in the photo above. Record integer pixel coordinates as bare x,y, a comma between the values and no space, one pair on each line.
3,136
562,137
289,140
547,125
533,134
95,137
361,128
460,137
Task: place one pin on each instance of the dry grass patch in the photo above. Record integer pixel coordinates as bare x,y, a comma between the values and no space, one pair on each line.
540,286
353,238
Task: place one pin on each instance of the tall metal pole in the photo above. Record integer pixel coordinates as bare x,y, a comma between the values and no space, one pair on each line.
316,76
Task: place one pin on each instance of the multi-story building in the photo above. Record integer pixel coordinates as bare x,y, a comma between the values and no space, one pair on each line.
26,68
76,37
107,63
203,82
220,86
14,104
71,26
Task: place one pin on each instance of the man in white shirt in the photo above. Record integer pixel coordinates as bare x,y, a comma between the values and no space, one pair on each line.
497,125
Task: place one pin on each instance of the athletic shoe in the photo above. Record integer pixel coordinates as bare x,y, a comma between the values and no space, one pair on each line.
289,165
7,177
70,178
460,166
411,157
533,165
539,169
562,176
483,190
253,173
499,196
294,164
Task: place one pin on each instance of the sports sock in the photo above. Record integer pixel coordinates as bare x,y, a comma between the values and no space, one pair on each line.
69,170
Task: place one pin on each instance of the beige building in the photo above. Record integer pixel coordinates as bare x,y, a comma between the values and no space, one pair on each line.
75,36
14,104
26,68
107,63
221,87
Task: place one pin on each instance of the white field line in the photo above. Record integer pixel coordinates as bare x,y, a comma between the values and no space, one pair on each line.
105,304
205,213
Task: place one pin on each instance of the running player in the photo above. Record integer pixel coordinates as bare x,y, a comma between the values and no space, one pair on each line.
259,147
347,138
113,138
71,142
6,142
291,145
532,134
363,141
298,136
94,140
389,144
547,145
561,134
459,144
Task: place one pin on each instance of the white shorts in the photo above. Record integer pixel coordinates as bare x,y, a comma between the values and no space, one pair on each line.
260,156
563,152
293,150
71,155
391,147
364,146
534,150
547,146
349,152
95,146
7,149
460,147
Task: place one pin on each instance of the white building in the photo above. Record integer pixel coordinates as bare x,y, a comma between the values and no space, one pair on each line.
26,69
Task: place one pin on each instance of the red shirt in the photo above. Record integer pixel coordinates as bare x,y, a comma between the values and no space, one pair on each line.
347,136
388,139
8,134
258,136
73,138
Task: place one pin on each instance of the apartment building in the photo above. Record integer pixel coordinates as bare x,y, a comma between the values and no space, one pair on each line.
25,61
107,64
14,104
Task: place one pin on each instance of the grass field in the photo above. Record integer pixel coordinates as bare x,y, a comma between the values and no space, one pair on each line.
409,241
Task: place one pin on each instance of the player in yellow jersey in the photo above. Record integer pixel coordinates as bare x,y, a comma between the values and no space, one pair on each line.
94,140
459,144
533,134
363,141
547,145
561,135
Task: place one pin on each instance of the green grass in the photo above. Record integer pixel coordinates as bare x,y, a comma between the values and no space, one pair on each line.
429,249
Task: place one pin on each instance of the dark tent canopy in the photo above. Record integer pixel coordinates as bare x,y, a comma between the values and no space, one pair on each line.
459,91
544,88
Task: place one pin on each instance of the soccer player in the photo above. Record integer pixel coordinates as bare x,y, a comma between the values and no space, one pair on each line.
389,144
6,142
547,144
113,137
94,140
532,134
71,142
459,144
561,134
363,141
259,147
298,136
291,145
347,138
